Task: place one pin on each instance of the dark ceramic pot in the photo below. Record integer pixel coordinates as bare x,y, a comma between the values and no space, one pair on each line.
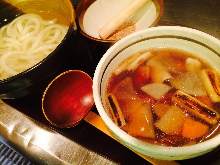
33,78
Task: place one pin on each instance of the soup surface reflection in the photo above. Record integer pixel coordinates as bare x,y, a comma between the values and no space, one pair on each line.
165,96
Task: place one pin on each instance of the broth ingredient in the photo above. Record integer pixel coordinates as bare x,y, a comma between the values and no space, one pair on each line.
195,107
125,64
190,83
193,65
156,90
132,62
160,109
143,57
158,71
136,116
124,90
212,84
174,63
206,100
26,41
116,112
166,96
193,129
172,121
142,76
139,119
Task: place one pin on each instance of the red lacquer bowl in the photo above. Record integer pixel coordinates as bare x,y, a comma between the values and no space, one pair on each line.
68,99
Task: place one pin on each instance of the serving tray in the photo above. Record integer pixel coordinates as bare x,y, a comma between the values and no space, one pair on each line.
23,125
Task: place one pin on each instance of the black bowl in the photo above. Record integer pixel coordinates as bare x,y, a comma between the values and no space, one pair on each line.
33,78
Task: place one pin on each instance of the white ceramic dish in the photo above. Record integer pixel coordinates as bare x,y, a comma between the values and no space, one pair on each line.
191,40
147,16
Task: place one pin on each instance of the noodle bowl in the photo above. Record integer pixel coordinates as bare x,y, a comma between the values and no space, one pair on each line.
26,41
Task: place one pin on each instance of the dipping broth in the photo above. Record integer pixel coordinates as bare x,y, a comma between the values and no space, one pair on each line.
165,96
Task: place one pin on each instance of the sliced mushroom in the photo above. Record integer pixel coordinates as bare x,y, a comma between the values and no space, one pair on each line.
212,84
195,107
115,111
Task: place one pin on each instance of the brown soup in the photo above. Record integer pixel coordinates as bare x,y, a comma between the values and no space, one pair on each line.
165,96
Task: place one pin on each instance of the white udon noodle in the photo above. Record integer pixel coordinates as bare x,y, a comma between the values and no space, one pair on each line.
27,40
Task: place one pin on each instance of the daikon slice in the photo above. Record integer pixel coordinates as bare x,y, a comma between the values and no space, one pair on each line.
172,121
190,83
156,90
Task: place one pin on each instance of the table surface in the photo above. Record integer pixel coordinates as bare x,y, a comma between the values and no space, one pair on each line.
89,145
